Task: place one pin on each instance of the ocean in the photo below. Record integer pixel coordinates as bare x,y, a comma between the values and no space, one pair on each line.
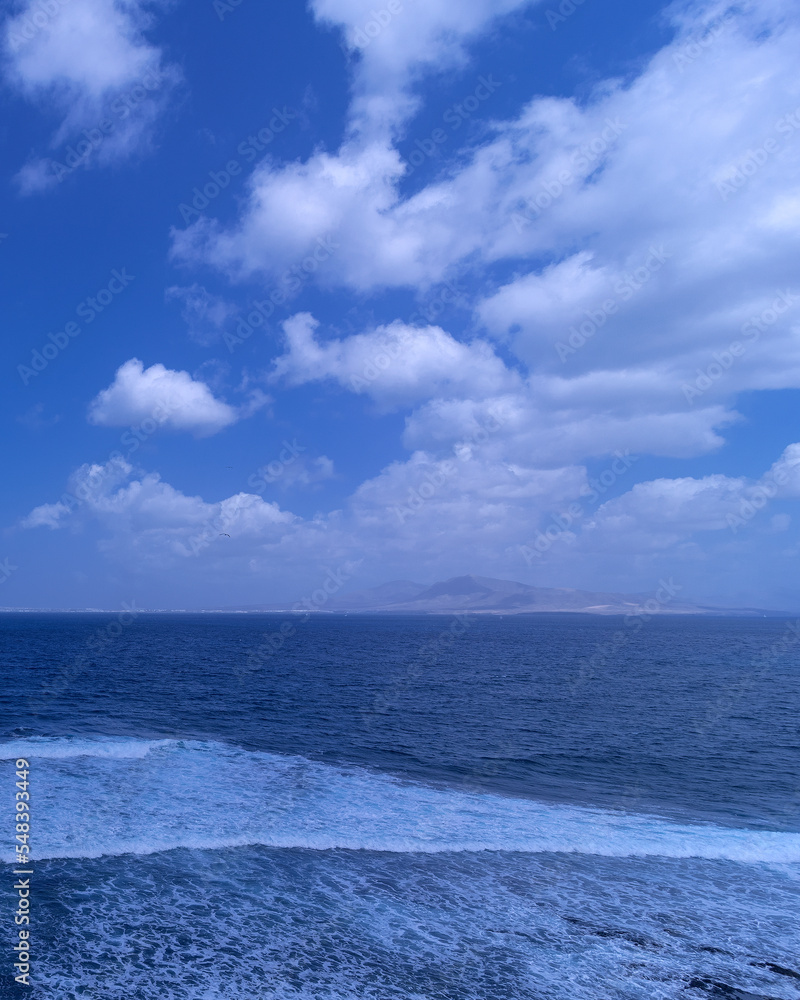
555,807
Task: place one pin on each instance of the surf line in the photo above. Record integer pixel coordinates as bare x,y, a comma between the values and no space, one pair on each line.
22,887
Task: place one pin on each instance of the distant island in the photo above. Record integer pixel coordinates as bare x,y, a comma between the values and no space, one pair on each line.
468,594
484,595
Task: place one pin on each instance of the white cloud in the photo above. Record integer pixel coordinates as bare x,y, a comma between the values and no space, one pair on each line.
396,47
641,232
204,313
667,510
290,469
353,193
348,194
395,365
785,473
304,472
47,515
540,303
662,513
537,429
664,236
433,516
456,388
91,62
171,399
146,518
425,508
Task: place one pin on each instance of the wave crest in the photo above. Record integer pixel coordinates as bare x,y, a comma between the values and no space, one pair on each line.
105,796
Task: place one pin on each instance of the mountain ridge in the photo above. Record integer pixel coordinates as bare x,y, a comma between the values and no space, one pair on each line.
486,595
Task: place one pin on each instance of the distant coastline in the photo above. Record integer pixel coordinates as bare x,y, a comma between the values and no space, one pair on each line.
465,595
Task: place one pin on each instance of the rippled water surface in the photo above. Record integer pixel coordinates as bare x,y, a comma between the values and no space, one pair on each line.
540,807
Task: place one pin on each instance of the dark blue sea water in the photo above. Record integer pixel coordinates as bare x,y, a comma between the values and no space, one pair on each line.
551,807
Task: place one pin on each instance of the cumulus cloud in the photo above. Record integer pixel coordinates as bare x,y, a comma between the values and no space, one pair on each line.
460,507
395,365
537,429
46,515
454,388
430,516
353,192
394,49
350,194
172,399
90,61
632,250
664,211
148,519
664,512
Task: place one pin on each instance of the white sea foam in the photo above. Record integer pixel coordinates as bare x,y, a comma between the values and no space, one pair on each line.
56,747
102,796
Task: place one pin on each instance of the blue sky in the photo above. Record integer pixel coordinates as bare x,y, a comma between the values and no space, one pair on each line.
398,291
